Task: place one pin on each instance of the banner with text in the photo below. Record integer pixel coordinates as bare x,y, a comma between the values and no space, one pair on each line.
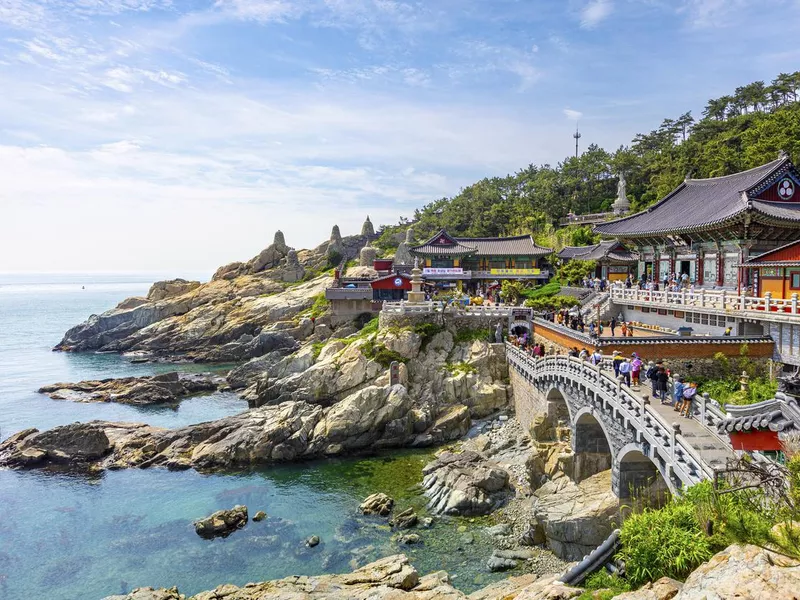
515,272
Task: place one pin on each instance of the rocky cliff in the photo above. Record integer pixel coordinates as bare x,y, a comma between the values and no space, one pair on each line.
246,310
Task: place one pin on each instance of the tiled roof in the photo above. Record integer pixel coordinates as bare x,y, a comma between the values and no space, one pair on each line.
778,210
521,245
452,247
610,249
775,255
782,413
699,203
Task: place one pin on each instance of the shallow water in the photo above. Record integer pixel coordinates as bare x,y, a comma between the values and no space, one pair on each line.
66,537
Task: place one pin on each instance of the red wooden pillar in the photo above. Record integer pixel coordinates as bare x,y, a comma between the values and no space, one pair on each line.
672,263
699,267
656,265
720,268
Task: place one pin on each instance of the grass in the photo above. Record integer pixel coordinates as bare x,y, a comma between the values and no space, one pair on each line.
728,391
318,308
381,354
460,367
603,586
465,336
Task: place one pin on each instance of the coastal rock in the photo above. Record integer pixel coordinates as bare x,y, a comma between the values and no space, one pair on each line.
465,484
744,573
312,541
75,444
259,516
156,389
222,523
495,563
663,589
404,520
377,504
576,518
161,290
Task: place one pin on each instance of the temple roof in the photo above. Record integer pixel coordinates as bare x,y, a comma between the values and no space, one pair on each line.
698,204
443,244
782,256
782,413
610,249
521,245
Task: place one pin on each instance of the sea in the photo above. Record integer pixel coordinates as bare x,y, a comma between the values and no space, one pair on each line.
74,536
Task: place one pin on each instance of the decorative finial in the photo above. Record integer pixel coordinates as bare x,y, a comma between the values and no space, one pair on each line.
783,154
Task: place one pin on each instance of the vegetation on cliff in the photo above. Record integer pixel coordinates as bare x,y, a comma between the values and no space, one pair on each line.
736,132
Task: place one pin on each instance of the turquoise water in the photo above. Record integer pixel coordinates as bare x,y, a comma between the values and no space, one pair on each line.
67,537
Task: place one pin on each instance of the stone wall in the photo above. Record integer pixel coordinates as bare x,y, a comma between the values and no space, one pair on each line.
451,321
530,406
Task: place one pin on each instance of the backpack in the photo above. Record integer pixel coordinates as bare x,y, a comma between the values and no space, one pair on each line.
651,373
689,392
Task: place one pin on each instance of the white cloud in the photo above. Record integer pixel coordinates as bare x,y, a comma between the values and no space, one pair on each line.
263,11
595,12
710,13
572,115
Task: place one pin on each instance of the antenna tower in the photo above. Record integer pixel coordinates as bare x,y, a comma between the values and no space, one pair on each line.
577,136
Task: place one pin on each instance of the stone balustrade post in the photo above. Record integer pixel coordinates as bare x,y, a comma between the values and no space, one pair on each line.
702,297
683,296
676,431
724,298
767,301
794,303
703,404
643,409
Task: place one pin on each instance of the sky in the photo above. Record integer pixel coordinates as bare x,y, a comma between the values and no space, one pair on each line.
172,136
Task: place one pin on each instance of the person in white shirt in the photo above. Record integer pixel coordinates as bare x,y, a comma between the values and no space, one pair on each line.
625,371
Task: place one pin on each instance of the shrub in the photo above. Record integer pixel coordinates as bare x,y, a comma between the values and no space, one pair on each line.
381,354
426,331
603,586
460,367
548,289
669,542
316,310
465,336
552,303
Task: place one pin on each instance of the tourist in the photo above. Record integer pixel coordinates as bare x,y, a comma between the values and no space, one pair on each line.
728,331
662,378
616,360
574,352
677,392
597,357
689,392
584,354
636,368
613,325
625,371
630,330
652,375
624,329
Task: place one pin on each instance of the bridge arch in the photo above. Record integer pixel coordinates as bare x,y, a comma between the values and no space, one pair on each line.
593,450
639,476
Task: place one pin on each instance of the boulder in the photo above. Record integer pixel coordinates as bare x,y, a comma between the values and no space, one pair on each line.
377,504
465,484
495,563
259,516
663,589
409,538
576,518
312,541
222,523
161,290
74,445
404,520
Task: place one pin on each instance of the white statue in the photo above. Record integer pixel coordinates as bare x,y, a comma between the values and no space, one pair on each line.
621,204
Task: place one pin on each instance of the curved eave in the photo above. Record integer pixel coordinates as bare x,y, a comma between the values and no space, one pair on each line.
729,220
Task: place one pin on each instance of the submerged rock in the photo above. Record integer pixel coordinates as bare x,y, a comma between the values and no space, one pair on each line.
404,520
312,541
465,484
222,523
377,504
259,516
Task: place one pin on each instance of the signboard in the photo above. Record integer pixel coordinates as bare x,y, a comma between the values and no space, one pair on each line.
771,272
436,271
398,282
617,269
515,272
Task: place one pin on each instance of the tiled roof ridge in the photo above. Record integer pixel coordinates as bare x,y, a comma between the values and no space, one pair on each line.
770,166
493,239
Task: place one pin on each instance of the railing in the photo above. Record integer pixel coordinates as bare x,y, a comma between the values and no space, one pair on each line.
495,310
349,293
588,218
716,300
684,460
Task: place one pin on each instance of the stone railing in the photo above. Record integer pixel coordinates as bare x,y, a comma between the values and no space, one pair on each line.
588,218
633,410
357,293
403,307
718,301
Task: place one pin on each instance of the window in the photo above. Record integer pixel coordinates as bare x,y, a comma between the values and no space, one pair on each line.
442,263
523,264
497,263
794,279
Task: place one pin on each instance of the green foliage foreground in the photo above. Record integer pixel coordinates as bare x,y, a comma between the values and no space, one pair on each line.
754,504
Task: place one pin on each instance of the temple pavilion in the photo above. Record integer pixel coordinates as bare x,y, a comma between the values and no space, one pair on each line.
706,228
614,261
480,262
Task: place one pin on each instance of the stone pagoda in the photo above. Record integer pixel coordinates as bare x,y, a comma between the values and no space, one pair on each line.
416,295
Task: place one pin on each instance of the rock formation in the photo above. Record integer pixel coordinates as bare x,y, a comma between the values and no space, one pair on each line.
576,517
162,290
157,389
335,246
293,270
377,504
367,230
402,255
464,484
222,523
367,256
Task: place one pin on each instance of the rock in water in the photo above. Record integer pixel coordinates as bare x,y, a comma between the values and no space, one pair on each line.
465,484
259,516
222,523
74,445
405,520
409,538
312,541
377,504
495,563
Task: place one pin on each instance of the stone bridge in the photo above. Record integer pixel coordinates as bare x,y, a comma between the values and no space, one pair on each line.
647,446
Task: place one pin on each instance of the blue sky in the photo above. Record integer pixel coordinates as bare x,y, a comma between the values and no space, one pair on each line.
178,136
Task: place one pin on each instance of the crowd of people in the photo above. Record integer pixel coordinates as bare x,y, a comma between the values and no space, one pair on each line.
632,370
595,328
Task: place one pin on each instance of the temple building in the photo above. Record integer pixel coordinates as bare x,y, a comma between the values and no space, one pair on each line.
776,272
478,262
706,228
614,261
